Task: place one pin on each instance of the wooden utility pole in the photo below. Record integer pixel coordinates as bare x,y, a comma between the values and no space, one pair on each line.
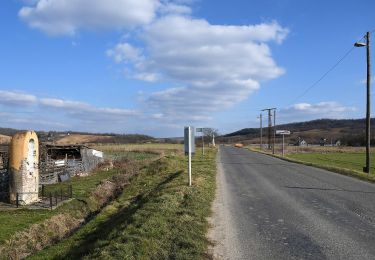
261,131
368,95
270,126
274,130
368,116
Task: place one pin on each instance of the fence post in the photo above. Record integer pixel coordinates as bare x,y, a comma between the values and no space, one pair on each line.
50,200
17,202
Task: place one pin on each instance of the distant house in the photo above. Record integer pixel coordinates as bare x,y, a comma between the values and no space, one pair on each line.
301,142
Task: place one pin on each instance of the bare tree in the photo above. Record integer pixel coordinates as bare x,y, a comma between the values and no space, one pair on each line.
209,133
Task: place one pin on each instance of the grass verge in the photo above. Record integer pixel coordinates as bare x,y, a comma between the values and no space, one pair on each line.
331,162
156,217
23,232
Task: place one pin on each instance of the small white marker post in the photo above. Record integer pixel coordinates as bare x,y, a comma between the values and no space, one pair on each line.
283,133
189,141
189,156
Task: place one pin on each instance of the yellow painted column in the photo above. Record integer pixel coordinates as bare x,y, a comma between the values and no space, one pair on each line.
23,168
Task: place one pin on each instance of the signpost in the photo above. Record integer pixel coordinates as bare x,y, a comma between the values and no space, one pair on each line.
189,141
200,130
283,133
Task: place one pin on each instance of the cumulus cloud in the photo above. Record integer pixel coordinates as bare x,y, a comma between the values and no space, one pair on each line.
124,52
210,66
65,17
16,98
30,111
307,111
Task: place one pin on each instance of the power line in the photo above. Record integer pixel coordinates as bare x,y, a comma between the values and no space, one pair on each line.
324,75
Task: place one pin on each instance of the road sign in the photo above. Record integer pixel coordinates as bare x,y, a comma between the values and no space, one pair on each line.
199,130
189,137
282,132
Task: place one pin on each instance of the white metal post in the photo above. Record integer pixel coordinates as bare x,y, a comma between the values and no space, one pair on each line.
283,145
189,156
202,144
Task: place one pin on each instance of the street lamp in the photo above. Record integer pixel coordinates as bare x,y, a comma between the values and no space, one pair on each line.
368,118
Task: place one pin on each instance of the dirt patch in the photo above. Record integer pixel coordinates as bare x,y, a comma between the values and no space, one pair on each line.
81,139
222,234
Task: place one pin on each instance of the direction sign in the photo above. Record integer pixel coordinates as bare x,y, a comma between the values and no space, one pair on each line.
282,132
199,130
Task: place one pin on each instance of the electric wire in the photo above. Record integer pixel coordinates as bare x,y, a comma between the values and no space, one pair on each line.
324,75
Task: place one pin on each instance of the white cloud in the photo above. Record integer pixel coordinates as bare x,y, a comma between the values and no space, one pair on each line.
307,111
124,52
211,66
87,112
173,8
16,98
65,17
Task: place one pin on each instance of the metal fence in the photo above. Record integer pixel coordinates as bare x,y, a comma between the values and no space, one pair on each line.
48,197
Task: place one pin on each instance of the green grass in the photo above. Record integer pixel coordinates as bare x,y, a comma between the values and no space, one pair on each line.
343,162
352,161
16,220
156,217
21,219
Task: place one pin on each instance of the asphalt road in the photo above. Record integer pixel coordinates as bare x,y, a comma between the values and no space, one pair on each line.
273,209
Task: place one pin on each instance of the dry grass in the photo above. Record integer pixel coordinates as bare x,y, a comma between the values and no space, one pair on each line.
80,139
39,236
159,149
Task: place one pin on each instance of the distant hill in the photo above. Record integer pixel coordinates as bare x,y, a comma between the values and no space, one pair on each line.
70,137
348,131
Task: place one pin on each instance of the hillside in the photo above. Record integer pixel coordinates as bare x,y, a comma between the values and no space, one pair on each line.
348,131
70,137
4,139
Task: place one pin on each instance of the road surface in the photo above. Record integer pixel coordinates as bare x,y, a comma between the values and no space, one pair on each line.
267,208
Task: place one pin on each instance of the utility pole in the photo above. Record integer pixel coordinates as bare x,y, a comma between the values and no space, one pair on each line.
261,131
368,95
368,116
274,130
269,125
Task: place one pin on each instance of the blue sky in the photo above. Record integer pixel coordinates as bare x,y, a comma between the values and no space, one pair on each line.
153,66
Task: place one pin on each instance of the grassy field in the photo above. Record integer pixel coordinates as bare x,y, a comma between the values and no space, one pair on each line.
15,221
156,217
352,161
344,160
